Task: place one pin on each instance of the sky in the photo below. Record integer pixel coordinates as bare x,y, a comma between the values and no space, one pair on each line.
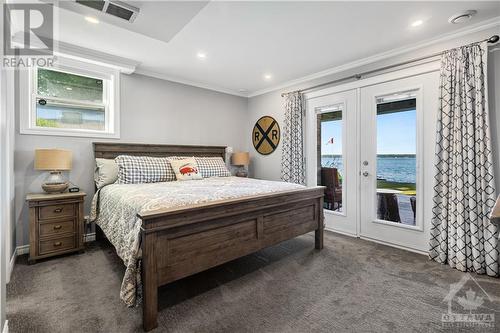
396,134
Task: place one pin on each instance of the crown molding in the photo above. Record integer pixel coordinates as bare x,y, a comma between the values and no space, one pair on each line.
124,65
207,86
72,51
484,25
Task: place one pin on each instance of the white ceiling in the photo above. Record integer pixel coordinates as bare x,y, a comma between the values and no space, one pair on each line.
245,40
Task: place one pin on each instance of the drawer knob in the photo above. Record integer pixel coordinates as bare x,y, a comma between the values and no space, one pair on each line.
58,210
57,227
57,244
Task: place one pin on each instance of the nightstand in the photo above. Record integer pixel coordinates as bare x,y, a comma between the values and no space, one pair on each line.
56,224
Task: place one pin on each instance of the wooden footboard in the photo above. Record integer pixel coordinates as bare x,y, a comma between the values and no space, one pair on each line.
180,242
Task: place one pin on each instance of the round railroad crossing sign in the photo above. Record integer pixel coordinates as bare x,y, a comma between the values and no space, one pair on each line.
266,135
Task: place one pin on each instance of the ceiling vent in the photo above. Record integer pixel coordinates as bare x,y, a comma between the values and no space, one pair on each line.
115,8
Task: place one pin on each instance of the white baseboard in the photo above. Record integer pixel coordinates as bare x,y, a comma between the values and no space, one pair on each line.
10,268
90,237
23,249
6,327
396,246
345,233
378,241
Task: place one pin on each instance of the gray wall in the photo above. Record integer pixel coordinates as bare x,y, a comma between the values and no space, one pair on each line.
157,111
268,167
152,111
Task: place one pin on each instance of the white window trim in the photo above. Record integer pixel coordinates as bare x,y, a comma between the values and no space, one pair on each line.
27,105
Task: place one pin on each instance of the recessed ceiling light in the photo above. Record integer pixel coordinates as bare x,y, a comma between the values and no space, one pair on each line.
417,23
268,76
91,19
201,55
462,17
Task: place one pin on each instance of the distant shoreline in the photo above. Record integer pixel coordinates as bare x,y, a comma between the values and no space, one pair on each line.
380,155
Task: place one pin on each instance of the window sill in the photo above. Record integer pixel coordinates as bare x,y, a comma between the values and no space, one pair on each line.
70,133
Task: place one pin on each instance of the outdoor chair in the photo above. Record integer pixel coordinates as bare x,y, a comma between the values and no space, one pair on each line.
413,202
387,207
333,192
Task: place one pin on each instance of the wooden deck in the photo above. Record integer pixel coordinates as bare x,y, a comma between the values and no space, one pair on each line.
405,211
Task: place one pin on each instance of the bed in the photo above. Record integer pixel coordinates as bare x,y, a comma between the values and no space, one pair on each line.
176,229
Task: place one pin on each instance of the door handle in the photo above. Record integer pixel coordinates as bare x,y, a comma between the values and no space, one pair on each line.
365,173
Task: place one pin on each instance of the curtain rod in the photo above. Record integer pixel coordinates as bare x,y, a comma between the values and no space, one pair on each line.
492,40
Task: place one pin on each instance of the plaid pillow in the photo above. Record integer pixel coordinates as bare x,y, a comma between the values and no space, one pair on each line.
143,169
212,167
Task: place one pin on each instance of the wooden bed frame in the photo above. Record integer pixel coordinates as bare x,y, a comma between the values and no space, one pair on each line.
183,241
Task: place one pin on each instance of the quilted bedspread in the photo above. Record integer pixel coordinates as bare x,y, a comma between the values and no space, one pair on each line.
115,208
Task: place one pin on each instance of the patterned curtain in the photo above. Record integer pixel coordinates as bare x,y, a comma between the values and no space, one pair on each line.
464,192
293,160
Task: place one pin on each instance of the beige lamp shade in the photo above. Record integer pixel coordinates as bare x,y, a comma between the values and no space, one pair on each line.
53,159
240,158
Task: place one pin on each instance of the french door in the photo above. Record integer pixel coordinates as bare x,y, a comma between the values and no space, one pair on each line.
331,158
373,148
396,160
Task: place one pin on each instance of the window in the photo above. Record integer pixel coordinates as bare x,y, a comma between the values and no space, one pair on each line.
331,158
75,100
397,158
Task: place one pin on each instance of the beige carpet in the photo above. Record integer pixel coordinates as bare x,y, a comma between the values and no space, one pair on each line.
350,286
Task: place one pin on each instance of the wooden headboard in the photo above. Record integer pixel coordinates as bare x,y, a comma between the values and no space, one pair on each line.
111,150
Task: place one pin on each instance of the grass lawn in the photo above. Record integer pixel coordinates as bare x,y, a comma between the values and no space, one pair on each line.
405,188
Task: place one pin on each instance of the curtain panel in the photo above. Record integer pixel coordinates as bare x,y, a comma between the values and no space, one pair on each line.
464,191
293,160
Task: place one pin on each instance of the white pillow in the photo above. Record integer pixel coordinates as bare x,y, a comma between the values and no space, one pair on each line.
106,172
186,169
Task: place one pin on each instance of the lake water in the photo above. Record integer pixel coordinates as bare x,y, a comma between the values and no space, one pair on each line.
401,169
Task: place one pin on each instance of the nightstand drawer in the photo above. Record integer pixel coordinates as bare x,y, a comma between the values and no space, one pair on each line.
57,244
54,228
56,211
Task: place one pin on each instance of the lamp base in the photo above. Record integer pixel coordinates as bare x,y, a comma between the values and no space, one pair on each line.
55,188
55,183
241,173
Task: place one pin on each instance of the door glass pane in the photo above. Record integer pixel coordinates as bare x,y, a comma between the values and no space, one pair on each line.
330,158
396,158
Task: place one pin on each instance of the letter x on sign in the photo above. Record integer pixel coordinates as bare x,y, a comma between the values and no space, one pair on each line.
266,135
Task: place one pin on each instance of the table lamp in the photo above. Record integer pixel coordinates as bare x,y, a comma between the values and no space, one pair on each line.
54,161
241,159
